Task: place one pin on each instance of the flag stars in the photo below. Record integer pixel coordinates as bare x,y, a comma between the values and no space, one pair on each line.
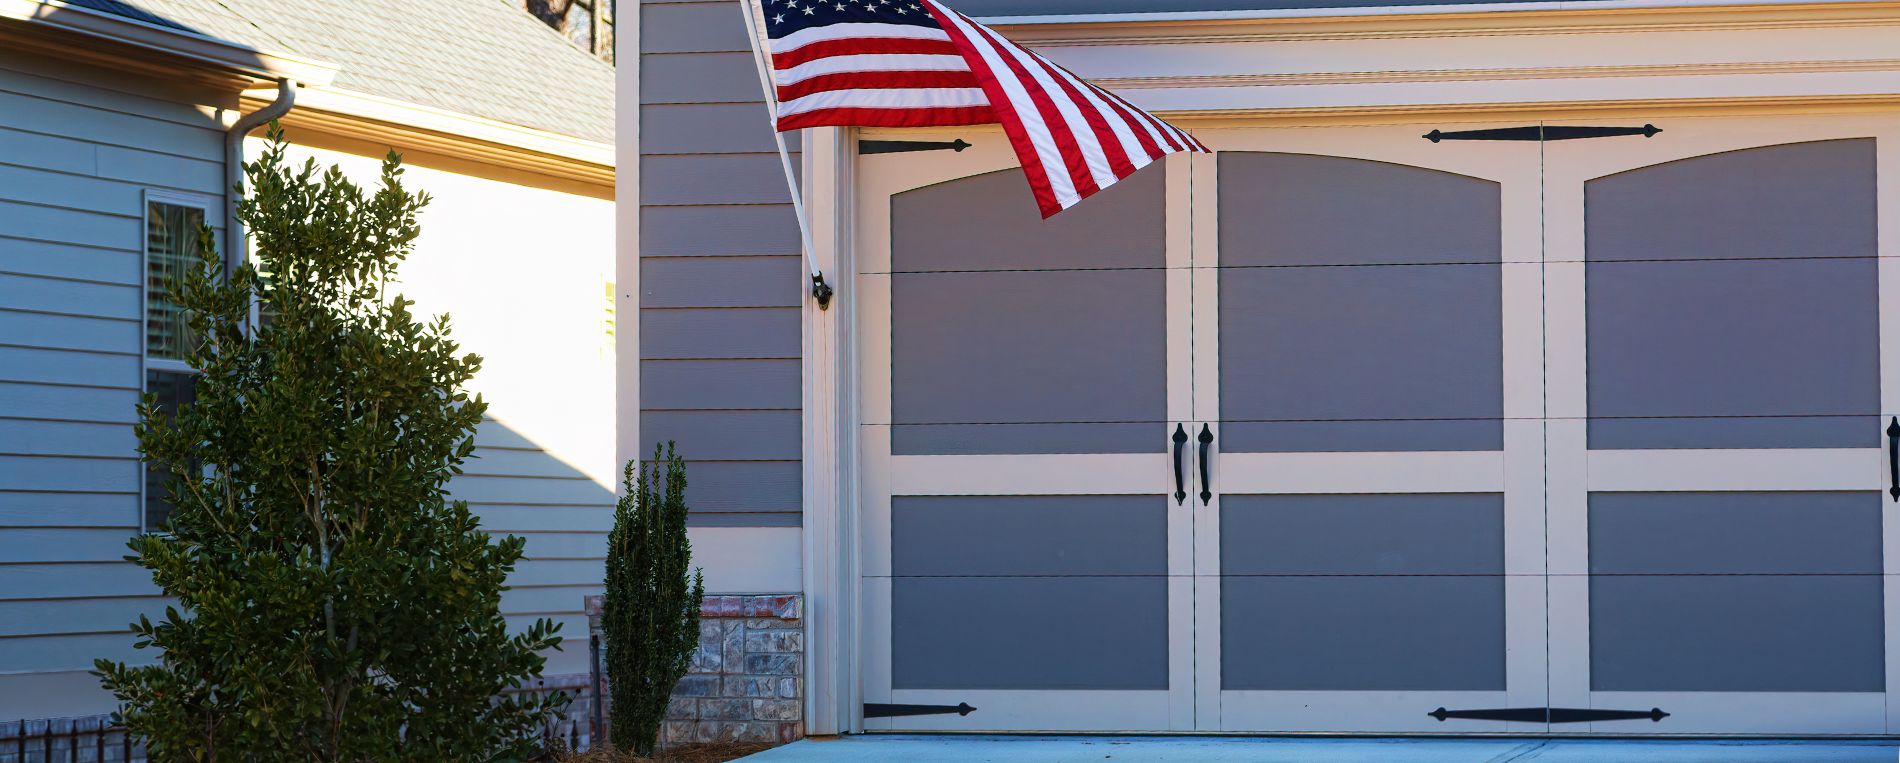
809,11
779,19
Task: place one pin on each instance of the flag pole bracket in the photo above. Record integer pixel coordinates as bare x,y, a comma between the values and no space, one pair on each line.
821,291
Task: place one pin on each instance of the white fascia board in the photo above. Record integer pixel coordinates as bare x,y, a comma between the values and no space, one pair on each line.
395,111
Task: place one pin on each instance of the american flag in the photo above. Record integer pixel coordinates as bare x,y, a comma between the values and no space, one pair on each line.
915,63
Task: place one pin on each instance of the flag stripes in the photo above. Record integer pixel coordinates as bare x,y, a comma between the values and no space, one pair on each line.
915,63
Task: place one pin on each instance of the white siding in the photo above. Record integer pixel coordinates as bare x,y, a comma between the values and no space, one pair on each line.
77,151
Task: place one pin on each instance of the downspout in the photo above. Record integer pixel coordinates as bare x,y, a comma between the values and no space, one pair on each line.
234,167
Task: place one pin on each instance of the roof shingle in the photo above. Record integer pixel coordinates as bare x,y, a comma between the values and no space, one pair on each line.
484,58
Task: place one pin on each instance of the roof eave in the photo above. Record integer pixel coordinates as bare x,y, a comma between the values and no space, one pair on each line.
242,60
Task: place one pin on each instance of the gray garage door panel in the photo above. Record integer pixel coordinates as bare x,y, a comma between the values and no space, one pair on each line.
1733,301
1359,306
990,222
1029,633
1068,361
1796,200
1766,353
1029,535
1440,534
1735,533
1302,209
1386,358
1011,334
1736,633
1362,633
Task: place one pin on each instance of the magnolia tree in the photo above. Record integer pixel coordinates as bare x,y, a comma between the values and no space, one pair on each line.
332,603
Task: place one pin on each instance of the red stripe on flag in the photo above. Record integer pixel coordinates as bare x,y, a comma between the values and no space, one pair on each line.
1166,131
875,81
854,46
1065,138
1142,136
1005,111
869,117
1118,161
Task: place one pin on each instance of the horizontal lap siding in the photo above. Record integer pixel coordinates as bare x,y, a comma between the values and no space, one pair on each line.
721,277
75,161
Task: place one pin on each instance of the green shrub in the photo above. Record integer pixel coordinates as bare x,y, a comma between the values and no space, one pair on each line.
331,602
652,608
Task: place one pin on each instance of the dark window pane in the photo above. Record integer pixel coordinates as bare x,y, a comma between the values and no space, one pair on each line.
173,389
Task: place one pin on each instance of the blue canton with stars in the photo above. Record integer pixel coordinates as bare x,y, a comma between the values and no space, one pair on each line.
783,17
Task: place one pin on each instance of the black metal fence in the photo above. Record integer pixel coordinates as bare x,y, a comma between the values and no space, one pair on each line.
94,738
89,739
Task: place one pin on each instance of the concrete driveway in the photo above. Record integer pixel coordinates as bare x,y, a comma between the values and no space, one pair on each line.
1077,749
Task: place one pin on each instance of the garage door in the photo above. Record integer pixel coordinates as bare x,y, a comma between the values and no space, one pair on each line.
1024,550
1346,430
1722,370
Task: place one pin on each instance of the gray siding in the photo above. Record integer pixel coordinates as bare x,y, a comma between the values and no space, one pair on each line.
75,161
720,279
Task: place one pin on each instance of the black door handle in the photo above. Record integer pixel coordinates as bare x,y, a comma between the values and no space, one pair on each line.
1893,458
1206,439
1180,477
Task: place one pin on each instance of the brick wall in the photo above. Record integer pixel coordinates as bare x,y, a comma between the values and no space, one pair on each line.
747,681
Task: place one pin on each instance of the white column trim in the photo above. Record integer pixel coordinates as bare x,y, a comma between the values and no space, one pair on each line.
626,268
832,689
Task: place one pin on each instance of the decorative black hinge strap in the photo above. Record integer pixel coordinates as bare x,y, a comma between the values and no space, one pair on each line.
1549,714
875,710
901,146
1542,132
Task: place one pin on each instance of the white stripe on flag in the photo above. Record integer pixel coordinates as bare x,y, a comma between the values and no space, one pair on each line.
870,62
1147,122
894,98
1093,156
1047,154
1124,133
804,37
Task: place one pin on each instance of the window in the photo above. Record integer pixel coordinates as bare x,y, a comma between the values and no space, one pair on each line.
172,223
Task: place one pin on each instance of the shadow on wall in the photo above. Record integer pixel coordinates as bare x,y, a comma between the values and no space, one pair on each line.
68,599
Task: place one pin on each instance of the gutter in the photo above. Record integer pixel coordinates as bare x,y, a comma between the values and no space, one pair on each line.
234,167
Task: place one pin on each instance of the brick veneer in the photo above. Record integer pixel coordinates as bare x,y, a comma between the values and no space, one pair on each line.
747,681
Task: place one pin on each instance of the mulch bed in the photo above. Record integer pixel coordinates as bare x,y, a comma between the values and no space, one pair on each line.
696,753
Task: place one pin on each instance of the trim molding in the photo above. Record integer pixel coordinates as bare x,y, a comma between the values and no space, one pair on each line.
832,591
1536,18
1479,75
393,123
1475,112
247,62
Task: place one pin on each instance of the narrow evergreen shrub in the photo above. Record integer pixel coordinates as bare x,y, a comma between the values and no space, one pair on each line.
331,603
652,608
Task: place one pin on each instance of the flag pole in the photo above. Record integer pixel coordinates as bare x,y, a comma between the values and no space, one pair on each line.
820,290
